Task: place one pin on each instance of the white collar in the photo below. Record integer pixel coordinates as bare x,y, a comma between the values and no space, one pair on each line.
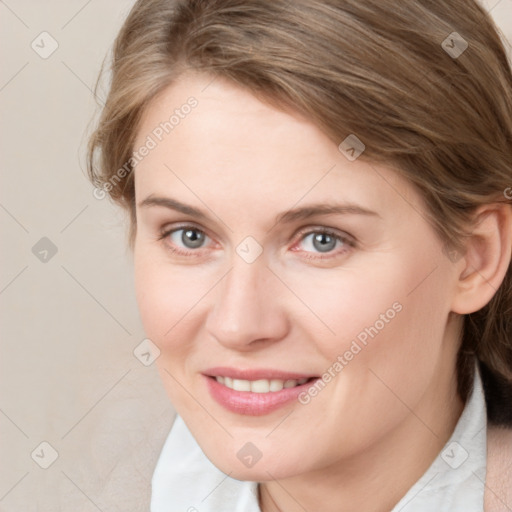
185,480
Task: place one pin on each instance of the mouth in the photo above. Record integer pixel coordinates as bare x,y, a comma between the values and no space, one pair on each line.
255,392
261,385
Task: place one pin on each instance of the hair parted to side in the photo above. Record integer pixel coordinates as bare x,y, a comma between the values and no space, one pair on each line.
376,69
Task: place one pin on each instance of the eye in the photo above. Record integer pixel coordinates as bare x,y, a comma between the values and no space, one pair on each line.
322,241
184,240
190,238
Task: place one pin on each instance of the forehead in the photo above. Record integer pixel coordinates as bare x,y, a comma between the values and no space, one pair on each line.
227,116
232,145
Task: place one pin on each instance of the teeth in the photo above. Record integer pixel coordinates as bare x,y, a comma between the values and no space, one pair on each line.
259,386
276,385
241,385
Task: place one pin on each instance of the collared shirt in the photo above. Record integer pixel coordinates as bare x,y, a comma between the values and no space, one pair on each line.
186,481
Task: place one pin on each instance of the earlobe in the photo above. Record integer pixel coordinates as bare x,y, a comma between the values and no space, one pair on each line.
487,258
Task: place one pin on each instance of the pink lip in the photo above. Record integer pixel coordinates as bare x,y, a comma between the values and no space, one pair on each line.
247,402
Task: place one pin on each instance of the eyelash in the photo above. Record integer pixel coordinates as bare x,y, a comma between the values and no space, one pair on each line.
346,240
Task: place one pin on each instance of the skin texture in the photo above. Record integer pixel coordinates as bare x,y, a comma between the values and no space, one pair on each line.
394,405
498,491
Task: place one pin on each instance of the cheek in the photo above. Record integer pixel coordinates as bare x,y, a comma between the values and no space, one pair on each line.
163,296
169,299
388,344
355,302
388,317
151,297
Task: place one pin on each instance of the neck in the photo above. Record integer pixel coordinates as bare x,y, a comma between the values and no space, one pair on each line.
366,481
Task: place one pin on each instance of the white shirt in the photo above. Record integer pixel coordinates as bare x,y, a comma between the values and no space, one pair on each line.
186,481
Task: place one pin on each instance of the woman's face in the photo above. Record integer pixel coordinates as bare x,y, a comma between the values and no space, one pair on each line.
267,287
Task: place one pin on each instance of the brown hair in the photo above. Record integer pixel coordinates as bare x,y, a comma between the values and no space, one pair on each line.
425,84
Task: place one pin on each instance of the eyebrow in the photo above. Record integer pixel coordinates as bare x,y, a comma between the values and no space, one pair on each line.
293,215
173,204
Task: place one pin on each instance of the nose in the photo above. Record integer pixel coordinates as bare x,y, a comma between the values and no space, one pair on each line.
248,312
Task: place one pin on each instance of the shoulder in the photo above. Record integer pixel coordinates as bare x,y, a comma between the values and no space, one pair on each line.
498,485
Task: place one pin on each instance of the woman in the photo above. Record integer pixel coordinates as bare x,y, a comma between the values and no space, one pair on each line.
320,204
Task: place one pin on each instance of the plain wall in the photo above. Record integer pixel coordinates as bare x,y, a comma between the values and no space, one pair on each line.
69,321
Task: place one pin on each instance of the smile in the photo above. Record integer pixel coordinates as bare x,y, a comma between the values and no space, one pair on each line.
261,385
255,392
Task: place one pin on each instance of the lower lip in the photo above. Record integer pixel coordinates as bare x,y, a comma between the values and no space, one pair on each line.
253,404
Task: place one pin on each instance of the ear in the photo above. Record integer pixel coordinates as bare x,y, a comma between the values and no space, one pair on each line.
487,258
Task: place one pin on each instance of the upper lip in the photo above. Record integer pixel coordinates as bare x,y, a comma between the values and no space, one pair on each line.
255,373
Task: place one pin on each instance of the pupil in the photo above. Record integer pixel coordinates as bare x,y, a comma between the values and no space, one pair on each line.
192,238
321,239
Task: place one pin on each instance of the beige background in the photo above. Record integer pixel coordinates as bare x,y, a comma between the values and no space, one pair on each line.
69,324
